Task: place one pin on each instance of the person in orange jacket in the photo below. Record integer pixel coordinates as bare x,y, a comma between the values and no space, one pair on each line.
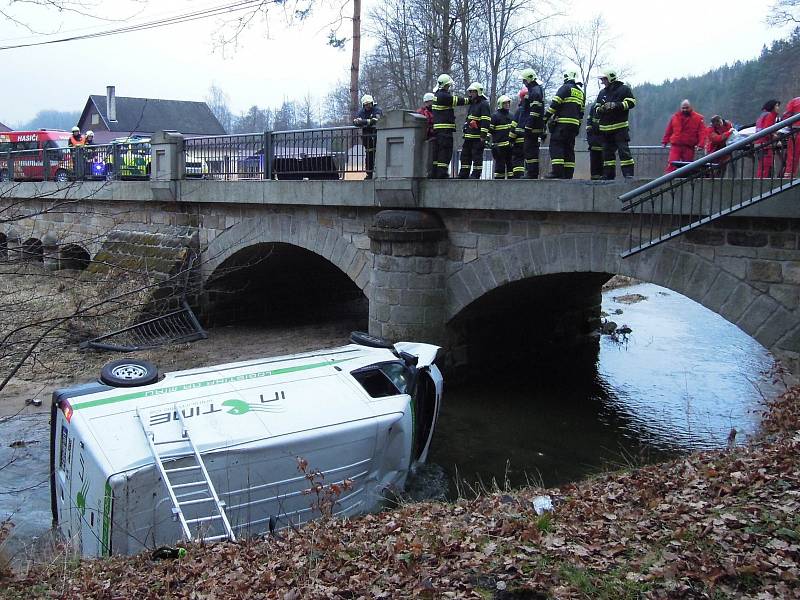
716,138
768,117
793,151
685,132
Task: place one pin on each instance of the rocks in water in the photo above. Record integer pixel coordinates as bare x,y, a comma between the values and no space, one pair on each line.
629,298
617,311
608,327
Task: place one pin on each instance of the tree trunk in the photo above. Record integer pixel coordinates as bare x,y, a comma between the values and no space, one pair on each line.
356,60
444,57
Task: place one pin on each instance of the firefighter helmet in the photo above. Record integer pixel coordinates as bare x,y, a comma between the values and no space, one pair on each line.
475,86
76,129
90,133
609,74
367,99
428,97
570,75
529,75
502,100
444,81
523,93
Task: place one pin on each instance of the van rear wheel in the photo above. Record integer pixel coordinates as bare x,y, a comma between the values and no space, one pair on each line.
128,372
371,341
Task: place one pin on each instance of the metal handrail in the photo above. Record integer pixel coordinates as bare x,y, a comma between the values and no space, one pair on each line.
694,166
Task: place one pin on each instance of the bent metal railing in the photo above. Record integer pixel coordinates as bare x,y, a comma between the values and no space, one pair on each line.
742,174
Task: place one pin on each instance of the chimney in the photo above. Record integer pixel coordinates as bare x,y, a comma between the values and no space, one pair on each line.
111,103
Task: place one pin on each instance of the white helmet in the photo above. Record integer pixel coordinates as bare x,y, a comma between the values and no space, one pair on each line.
610,74
444,81
76,129
478,87
428,97
89,133
367,99
502,100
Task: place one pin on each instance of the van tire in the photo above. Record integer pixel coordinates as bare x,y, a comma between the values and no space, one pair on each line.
372,341
127,372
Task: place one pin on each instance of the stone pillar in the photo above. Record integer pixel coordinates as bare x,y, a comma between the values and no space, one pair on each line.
50,252
400,158
167,164
407,302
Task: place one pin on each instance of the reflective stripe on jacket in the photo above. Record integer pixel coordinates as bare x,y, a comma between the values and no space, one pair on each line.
501,128
444,117
567,105
481,116
617,119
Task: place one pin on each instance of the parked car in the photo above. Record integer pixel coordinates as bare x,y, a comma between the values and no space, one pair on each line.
292,163
255,438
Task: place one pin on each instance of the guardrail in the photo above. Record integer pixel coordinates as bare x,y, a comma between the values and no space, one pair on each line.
701,191
118,161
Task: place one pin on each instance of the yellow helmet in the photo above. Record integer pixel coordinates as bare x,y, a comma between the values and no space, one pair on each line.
502,100
529,75
444,81
609,74
570,75
475,86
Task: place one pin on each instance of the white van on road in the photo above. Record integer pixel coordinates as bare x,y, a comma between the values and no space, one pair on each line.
139,460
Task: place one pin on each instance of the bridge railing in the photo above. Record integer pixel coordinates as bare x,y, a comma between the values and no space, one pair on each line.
762,165
322,153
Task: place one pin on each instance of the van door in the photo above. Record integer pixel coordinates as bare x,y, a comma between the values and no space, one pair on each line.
427,402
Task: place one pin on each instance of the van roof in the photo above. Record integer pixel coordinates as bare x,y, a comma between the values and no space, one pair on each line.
230,404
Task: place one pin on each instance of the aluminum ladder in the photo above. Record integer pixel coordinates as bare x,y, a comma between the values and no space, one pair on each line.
199,518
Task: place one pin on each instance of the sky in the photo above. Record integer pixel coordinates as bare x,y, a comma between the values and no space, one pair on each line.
656,40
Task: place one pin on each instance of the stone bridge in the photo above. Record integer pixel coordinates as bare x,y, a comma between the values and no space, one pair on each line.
467,264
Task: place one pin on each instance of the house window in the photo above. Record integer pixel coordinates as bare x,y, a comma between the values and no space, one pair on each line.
95,119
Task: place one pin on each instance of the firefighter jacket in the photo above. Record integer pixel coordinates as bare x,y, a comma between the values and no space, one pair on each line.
428,114
444,117
614,113
501,127
366,119
685,129
479,117
567,105
76,140
593,136
535,105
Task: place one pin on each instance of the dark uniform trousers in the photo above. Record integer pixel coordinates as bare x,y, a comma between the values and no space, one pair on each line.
596,162
370,141
518,156
472,154
617,142
562,149
443,152
531,153
503,163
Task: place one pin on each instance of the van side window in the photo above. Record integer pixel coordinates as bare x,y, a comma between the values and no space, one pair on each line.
380,381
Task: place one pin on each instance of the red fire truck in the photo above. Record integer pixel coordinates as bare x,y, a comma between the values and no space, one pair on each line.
28,151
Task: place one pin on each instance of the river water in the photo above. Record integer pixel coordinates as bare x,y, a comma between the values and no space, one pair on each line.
682,379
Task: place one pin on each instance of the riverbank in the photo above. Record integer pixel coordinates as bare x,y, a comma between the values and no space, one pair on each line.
719,524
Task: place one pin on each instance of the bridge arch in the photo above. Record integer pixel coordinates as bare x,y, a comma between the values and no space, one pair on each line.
327,242
712,285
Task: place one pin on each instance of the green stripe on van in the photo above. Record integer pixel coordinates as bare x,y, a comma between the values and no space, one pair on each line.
202,384
106,549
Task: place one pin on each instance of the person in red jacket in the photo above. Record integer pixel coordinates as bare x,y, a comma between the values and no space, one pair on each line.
769,116
685,132
716,138
793,151
426,111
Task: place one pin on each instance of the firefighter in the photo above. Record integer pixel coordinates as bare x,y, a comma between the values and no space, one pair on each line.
444,124
430,137
613,117
76,139
501,128
594,139
366,118
534,126
476,129
518,135
563,117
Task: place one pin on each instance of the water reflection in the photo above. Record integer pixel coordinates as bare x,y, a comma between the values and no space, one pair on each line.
682,380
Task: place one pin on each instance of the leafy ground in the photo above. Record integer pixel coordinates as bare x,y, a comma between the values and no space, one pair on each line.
722,524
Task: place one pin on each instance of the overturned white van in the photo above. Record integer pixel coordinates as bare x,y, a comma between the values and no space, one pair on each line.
140,460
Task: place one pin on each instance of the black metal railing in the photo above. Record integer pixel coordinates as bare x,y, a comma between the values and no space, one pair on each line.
742,174
226,157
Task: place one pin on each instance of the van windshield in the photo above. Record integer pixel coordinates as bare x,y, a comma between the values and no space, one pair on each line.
387,379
